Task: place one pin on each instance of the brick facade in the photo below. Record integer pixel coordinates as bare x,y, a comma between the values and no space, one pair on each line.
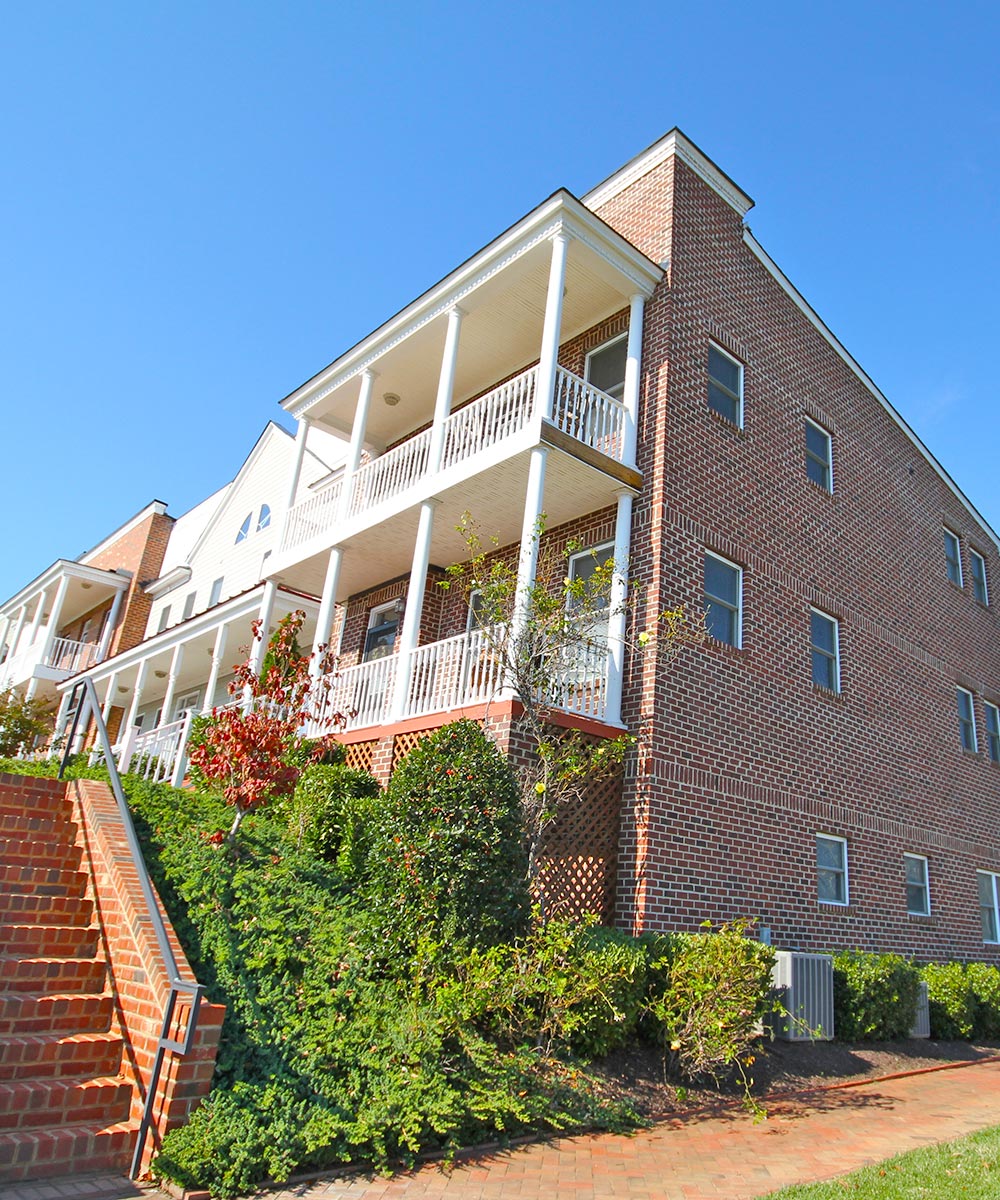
140,552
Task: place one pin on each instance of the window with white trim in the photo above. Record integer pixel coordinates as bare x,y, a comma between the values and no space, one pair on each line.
723,600
164,618
953,557
819,456
244,531
831,869
383,625
189,605
583,566
992,731
725,385
216,593
475,613
918,891
265,517
966,720
988,906
824,641
605,367
980,587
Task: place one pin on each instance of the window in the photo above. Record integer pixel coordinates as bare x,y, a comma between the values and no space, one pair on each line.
725,385
185,704
383,624
979,585
723,600
831,868
993,732
475,614
216,593
265,517
918,893
164,618
244,532
988,905
966,721
582,568
953,557
605,367
189,605
819,456
825,643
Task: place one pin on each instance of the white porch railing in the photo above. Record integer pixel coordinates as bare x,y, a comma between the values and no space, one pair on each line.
489,420
312,516
450,674
588,414
359,695
67,655
158,754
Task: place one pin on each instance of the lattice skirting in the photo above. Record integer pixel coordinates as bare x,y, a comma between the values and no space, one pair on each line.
359,755
403,743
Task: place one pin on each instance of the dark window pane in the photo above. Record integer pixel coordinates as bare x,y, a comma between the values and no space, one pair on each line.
823,671
818,472
720,622
830,853
726,406
823,637
606,367
818,442
723,370
721,581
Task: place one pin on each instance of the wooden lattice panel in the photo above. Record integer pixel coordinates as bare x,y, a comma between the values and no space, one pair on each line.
359,755
403,743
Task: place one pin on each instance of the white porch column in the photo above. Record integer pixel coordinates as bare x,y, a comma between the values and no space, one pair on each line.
29,691
3,636
630,397
527,559
301,436
36,620
327,607
22,614
446,387
547,362
618,609
59,729
357,444
264,615
140,683
175,669
53,625
109,625
410,635
109,696
218,654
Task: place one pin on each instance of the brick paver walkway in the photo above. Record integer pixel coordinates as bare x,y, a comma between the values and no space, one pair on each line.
695,1157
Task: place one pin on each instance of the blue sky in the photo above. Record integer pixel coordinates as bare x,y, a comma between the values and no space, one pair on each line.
202,205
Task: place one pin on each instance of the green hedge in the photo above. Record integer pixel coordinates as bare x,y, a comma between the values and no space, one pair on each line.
951,999
874,996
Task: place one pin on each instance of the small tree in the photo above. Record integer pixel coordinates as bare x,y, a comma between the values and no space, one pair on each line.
547,642
21,722
255,752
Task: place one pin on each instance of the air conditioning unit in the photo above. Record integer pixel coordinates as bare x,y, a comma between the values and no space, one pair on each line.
922,1021
803,984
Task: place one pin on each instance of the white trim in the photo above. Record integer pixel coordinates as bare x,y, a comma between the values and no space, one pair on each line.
974,748
926,884
619,337
119,579
973,556
739,596
167,583
709,378
803,305
829,453
833,837
992,708
154,507
957,539
996,904
836,646
672,143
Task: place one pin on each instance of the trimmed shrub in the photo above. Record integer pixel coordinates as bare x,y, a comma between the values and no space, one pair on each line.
984,983
326,805
951,1000
874,996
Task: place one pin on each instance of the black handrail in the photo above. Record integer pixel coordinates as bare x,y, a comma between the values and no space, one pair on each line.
83,703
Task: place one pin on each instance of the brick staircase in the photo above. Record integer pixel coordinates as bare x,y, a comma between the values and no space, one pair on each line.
64,1102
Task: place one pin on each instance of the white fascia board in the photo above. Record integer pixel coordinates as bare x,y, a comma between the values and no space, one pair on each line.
154,506
561,210
117,580
672,143
167,583
820,325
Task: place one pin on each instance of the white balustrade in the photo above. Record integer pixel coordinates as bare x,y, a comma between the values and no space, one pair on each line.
154,753
588,414
67,655
390,474
455,672
489,420
355,697
312,516
579,679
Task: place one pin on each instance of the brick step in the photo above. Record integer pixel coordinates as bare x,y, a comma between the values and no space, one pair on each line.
40,804
49,941
41,881
51,974
73,1057
23,852
19,824
68,1151
27,908
59,1013
42,1103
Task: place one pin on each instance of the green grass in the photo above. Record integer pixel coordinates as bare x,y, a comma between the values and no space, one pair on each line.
968,1167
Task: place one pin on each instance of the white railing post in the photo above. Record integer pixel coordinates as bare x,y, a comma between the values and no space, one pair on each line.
410,635
180,758
618,614
550,329
446,386
630,396
59,729
127,748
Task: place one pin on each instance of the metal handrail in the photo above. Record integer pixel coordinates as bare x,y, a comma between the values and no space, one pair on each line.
86,705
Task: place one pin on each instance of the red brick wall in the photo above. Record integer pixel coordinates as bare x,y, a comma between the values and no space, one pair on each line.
743,760
139,551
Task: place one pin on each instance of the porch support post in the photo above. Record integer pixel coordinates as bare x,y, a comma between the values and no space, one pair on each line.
53,625
109,626
357,443
301,436
618,605
18,627
109,696
410,636
62,717
128,730
36,620
29,691
630,397
527,559
446,387
546,378
175,669
327,608
264,615
3,636
218,653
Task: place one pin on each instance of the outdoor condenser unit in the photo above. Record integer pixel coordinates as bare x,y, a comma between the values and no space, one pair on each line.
804,985
922,1021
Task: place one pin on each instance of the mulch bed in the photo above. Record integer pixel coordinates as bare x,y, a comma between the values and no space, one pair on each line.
636,1073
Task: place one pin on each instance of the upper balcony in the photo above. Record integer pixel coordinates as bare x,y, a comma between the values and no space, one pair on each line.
446,400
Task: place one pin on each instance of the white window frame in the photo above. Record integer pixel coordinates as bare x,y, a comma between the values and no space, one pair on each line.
814,649
376,618
962,722
995,879
216,594
833,837
981,581
244,530
738,644
711,378
622,337
471,624
189,602
264,519
952,538
189,700
164,619
926,884
828,464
